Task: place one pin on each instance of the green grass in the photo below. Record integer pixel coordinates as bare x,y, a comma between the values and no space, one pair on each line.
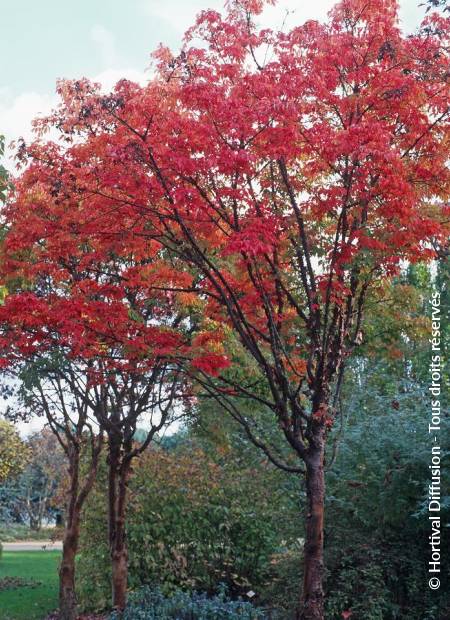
31,603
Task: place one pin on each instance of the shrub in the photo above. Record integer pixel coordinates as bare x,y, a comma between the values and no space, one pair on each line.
152,604
376,539
192,524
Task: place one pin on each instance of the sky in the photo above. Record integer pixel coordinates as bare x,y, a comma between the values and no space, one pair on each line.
106,40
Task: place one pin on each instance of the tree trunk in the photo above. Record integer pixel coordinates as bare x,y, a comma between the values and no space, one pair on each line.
312,604
118,479
67,596
34,523
76,498
119,562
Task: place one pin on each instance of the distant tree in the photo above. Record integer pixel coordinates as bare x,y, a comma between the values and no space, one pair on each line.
44,390
3,172
380,495
39,481
14,453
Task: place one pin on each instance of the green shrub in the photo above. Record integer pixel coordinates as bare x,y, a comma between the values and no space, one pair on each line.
192,524
377,528
359,585
282,592
152,604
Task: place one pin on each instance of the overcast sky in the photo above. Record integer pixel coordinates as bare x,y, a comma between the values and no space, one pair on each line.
105,39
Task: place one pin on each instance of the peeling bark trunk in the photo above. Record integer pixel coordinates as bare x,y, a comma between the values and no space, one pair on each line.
76,497
312,604
118,480
67,596
119,560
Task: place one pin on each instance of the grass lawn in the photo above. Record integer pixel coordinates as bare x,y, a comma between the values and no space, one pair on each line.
32,601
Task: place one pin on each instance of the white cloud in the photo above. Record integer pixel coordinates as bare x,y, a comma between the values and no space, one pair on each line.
105,43
178,13
109,77
294,12
17,114
181,14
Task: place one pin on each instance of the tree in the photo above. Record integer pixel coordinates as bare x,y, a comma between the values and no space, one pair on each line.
3,172
148,398
82,401
80,414
90,316
40,479
44,390
31,497
14,453
377,505
288,175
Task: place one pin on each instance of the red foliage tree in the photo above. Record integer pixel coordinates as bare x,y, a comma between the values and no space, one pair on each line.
69,420
92,320
285,175
42,388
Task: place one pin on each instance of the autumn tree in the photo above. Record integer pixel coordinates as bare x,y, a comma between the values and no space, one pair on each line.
286,176
40,479
39,385
81,412
148,399
3,172
14,453
95,317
